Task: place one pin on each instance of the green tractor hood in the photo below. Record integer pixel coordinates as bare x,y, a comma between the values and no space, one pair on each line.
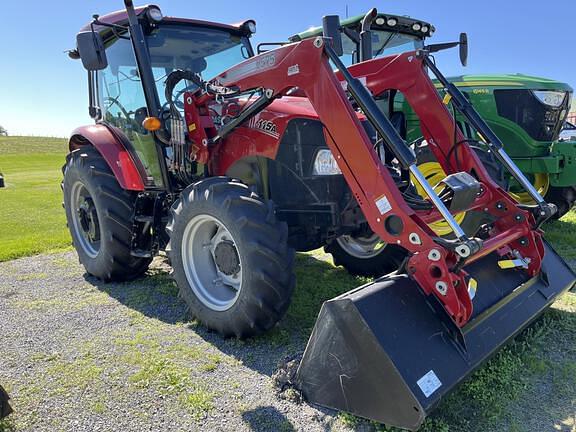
509,81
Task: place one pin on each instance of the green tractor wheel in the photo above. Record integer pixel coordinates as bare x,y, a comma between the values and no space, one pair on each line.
563,197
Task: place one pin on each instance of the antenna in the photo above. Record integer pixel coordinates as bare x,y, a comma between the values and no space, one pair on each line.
346,11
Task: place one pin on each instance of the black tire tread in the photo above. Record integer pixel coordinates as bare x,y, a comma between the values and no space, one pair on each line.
386,262
117,214
263,239
563,197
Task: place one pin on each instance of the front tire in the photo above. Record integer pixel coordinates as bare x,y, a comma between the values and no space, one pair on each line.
230,257
99,215
563,197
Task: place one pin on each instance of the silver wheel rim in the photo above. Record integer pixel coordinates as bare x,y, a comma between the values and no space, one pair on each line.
85,220
213,283
362,247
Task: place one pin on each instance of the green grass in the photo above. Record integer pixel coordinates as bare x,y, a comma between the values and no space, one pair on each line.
562,235
31,216
32,221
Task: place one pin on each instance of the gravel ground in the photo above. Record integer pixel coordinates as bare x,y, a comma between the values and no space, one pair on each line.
78,355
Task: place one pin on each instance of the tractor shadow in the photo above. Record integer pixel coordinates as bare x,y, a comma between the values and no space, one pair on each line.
156,296
317,280
267,418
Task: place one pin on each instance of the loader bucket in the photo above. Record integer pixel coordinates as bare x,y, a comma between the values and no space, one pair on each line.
384,351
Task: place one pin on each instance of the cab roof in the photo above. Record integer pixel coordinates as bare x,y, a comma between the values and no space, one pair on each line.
404,25
120,17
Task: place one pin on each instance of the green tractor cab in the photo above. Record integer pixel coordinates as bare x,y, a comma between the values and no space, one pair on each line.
527,113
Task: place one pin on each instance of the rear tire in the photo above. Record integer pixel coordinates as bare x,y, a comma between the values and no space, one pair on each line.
230,257
563,197
360,256
99,215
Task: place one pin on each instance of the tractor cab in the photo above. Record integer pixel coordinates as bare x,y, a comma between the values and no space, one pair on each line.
119,96
375,35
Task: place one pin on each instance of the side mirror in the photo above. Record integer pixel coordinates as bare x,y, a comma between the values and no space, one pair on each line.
463,49
91,50
462,43
331,29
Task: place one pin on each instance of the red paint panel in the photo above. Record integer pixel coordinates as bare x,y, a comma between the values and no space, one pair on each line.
113,151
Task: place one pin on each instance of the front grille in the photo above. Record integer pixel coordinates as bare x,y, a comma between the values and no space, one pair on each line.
542,122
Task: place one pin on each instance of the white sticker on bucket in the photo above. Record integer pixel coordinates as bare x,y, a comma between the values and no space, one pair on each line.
429,383
383,205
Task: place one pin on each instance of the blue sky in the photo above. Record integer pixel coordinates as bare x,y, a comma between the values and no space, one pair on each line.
42,92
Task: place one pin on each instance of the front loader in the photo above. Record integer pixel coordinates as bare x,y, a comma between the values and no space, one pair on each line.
229,167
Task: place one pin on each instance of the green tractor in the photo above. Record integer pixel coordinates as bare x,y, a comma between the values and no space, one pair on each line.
527,113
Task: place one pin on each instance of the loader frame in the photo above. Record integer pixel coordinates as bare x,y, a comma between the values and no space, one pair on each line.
435,263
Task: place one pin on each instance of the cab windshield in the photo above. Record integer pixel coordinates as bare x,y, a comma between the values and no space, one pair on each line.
205,50
384,43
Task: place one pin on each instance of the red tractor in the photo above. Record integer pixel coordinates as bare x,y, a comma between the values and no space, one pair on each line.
230,161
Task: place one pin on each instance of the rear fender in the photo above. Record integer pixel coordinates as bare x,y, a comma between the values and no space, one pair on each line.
112,150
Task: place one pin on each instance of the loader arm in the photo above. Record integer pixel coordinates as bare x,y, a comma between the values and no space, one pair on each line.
437,267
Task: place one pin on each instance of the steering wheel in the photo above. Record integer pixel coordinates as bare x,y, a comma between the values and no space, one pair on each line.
114,101
177,102
130,116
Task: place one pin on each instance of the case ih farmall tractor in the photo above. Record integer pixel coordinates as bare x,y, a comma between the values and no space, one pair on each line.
230,161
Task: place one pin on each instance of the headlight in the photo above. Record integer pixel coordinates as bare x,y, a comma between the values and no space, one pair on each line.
550,98
154,14
380,21
325,164
392,22
250,26
425,29
416,26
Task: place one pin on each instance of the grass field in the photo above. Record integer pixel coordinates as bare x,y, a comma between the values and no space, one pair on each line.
537,372
31,216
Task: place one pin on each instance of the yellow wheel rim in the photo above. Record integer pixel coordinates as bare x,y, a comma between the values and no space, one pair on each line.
541,182
435,174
